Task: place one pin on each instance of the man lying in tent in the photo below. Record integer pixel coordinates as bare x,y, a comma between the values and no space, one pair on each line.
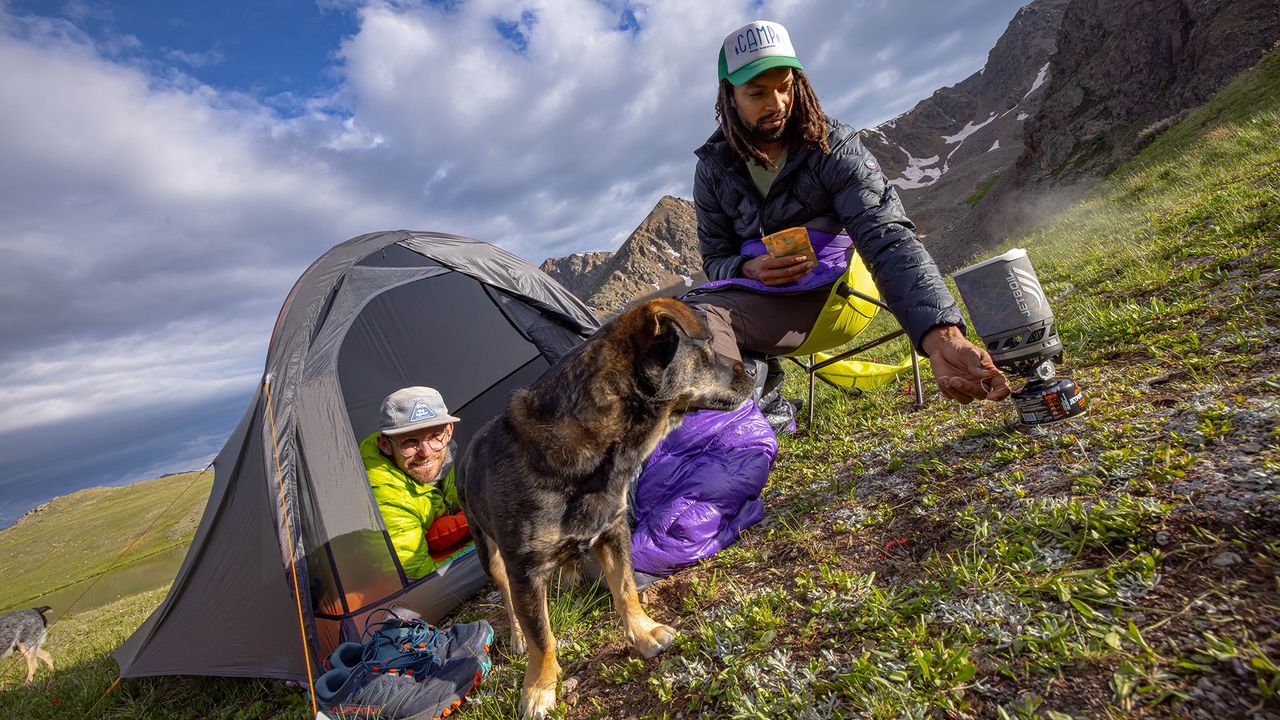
410,466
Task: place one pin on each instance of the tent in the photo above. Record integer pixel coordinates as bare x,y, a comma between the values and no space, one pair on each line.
291,554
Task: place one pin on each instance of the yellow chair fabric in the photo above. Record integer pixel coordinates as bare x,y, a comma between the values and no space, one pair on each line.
841,320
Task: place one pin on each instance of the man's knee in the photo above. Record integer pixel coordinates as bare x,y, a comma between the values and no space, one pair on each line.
719,321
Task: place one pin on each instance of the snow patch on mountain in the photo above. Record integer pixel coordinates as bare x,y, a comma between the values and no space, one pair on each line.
917,174
968,129
1040,78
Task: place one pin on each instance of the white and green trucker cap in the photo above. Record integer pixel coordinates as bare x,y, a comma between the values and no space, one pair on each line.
755,47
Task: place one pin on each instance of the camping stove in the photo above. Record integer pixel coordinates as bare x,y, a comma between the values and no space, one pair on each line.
1012,316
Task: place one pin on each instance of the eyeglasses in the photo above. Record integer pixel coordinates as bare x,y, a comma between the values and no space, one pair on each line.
434,442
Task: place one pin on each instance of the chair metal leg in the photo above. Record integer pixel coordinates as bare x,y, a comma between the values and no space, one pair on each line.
813,367
915,374
812,375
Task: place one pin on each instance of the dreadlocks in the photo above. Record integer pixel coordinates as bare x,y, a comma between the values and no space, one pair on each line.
806,124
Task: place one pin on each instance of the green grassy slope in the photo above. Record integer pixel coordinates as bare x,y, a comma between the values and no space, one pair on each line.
81,684
79,535
945,562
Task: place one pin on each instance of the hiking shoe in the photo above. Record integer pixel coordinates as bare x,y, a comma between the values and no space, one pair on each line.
393,637
396,697
773,376
445,689
469,640
347,656
411,649
339,683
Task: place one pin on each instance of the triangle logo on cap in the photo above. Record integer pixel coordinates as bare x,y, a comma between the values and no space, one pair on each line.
421,411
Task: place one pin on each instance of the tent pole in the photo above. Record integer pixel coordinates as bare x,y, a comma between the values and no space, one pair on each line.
293,567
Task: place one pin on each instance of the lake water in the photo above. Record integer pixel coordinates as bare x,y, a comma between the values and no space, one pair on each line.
149,573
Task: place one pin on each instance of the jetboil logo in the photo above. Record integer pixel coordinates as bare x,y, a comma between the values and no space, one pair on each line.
1025,287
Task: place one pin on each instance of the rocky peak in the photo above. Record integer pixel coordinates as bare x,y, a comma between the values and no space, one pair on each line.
940,153
1124,68
1120,73
576,272
659,257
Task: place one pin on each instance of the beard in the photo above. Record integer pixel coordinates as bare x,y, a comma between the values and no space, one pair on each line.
766,136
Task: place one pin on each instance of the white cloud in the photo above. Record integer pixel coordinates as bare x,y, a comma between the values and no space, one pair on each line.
189,361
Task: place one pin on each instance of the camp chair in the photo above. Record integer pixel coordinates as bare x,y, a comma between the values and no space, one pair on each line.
850,306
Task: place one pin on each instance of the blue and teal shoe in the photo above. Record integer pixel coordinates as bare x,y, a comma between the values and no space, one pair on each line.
389,639
355,692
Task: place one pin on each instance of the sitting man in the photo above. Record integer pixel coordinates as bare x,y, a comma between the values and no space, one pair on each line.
777,162
410,466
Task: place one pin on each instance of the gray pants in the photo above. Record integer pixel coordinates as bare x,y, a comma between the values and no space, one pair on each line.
758,322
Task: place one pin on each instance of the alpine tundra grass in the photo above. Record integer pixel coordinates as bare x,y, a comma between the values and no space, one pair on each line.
948,562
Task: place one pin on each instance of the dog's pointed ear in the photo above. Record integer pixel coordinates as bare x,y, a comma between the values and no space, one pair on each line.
654,331
673,316
665,321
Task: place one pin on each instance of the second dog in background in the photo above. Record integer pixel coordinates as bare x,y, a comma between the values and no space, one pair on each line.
23,632
549,477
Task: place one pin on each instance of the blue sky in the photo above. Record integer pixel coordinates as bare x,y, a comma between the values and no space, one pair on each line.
272,49
167,169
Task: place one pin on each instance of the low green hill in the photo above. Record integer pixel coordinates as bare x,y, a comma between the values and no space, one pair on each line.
80,536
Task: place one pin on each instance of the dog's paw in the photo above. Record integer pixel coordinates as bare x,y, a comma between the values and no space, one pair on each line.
537,702
517,643
653,641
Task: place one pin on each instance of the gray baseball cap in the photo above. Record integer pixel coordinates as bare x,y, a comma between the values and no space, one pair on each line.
414,408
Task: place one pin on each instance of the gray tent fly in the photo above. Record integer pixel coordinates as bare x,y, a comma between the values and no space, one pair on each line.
291,554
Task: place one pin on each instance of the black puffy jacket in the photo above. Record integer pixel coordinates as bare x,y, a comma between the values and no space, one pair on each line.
844,191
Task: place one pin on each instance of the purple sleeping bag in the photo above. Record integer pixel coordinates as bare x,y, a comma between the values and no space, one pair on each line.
700,488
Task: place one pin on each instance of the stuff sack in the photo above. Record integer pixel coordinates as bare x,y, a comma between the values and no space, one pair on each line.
701,488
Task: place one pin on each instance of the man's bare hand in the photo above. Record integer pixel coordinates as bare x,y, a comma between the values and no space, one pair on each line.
964,371
776,271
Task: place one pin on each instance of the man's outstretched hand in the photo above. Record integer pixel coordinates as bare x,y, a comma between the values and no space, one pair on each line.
962,368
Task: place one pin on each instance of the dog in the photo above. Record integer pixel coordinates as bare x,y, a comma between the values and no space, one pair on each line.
549,477
23,632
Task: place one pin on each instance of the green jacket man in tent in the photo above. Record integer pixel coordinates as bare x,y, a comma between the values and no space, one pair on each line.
410,466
